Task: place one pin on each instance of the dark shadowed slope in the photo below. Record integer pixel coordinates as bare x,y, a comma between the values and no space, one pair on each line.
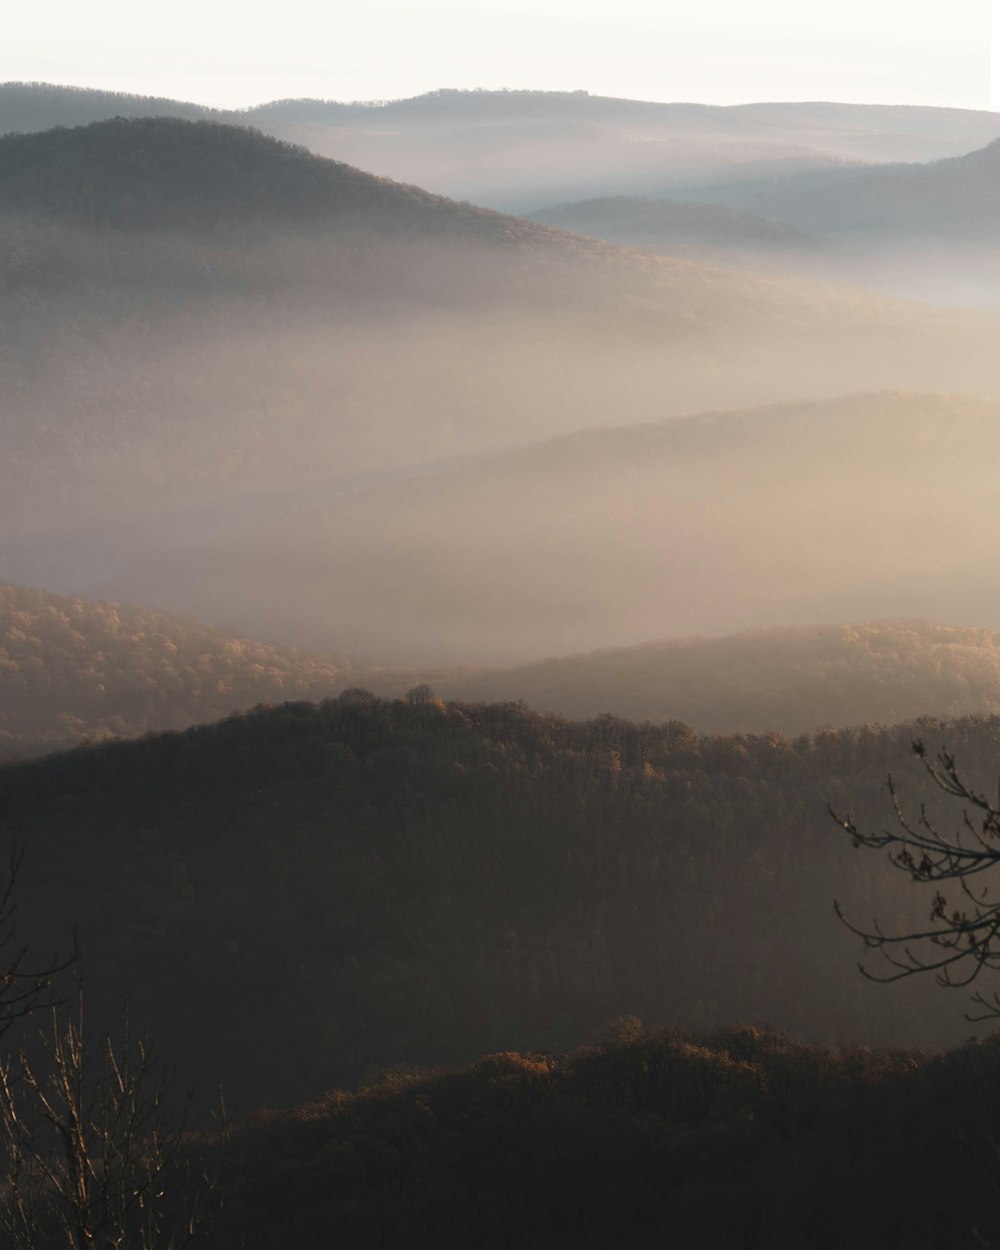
645,1138
295,895
164,173
860,508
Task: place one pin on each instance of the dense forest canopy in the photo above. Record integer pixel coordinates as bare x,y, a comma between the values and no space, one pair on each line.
294,895
739,1137
71,670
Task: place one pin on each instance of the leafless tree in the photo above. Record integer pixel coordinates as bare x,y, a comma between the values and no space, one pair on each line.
961,940
97,1153
24,985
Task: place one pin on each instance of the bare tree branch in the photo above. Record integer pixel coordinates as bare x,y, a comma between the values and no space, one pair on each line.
98,1153
962,939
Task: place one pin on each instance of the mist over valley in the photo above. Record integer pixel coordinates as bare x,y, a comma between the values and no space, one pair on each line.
469,564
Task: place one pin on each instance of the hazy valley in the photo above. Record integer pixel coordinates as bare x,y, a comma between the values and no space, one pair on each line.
454,554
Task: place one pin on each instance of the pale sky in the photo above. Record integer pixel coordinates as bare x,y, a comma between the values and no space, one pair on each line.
237,52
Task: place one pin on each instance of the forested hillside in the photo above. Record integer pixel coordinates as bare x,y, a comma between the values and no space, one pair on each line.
71,670
738,1138
792,679
293,896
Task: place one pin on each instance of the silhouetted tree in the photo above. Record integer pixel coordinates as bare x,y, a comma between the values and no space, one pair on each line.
24,985
961,940
97,1153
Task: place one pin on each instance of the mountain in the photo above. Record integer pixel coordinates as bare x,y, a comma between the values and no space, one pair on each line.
852,509
788,679
297,894
30,106
920,231
163,173
520,149
72,670
203,329
957,198
644,1138
711,232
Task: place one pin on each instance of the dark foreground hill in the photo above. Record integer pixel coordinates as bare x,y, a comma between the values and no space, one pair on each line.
738,1138
295,895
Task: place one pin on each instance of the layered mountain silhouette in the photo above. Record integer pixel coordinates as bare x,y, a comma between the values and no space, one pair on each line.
521,149
792,680
73,670
698,231
955,199
196,316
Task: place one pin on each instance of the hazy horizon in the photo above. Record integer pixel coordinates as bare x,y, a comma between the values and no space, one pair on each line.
230,56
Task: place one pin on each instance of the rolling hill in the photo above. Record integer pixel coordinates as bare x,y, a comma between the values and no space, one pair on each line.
72,671
920,231
670,224
956,198
789,679
293,896
855,509
645,1138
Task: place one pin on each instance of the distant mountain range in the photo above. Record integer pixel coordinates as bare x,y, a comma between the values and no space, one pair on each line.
522,149
957,199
